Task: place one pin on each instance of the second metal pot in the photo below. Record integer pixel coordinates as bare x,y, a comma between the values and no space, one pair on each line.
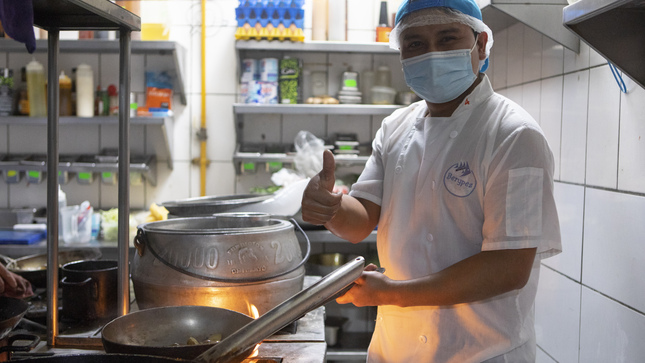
89,290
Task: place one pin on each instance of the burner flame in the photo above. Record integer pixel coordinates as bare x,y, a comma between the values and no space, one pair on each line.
254,313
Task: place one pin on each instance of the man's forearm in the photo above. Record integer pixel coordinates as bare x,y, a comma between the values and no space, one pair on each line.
355,220
476,278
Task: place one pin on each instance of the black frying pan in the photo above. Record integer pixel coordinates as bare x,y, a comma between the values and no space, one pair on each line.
11,311
34,267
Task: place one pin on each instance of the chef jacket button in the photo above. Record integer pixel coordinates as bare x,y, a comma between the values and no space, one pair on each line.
430,237
453,134
398,169
423,339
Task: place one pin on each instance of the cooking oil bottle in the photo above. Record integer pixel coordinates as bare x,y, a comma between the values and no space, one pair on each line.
65,95
36,89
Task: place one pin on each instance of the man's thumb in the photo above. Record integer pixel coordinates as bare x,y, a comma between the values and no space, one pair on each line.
327,177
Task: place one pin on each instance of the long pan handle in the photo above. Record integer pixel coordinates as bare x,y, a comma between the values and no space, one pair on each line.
240,344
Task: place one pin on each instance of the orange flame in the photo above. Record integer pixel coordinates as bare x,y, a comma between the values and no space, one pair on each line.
254,313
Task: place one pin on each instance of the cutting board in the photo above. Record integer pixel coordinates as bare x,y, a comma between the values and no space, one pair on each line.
11,237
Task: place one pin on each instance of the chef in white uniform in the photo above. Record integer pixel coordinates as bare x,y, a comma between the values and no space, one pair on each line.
460,186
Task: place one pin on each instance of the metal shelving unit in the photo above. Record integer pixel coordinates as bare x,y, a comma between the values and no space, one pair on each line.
315,46
174,51
241,109
56,16
160,139
304,109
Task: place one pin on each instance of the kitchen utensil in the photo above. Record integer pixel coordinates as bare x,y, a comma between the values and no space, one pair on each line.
11,312
157,331
151,331
89,288
223,260
285,202
34,267
233,347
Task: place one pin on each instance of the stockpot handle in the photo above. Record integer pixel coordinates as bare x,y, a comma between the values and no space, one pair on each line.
143,241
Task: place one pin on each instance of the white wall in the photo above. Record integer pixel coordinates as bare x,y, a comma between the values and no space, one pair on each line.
591,302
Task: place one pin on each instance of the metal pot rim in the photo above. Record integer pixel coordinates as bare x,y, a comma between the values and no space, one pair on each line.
169,226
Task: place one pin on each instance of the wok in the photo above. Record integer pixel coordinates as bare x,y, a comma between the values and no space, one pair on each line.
11,311
150,332
134,333
34,267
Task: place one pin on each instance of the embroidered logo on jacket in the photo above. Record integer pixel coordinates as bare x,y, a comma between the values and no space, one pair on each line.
459,180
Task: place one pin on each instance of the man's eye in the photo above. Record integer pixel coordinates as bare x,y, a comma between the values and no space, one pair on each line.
447,39
414,44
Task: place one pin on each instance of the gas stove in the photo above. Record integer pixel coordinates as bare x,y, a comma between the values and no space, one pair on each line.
302,341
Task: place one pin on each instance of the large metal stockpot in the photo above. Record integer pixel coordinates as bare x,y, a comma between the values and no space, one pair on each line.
226,260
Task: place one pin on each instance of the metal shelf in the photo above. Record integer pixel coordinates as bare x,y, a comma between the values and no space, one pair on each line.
315,46
302,109
159,139
146,165
83,15
284,158
73,120
164,48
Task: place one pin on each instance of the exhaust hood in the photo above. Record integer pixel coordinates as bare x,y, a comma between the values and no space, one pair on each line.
545,16
613,28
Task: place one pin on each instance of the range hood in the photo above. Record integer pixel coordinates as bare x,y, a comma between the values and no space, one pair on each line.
613,28
545,16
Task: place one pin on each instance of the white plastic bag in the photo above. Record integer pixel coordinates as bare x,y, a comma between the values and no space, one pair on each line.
309,153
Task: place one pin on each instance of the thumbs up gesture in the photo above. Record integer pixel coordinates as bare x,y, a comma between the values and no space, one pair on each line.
319,203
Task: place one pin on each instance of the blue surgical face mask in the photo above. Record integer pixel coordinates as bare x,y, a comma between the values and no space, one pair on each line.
439,77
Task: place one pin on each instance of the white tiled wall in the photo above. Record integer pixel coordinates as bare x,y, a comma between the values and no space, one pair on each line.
590,305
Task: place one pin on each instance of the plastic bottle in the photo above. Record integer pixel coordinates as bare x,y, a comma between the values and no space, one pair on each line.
383,29
65,97
36,89
84,91
114,100
319,20
62,203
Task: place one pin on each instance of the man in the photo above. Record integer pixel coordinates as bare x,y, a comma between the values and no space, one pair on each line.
460,185
12,285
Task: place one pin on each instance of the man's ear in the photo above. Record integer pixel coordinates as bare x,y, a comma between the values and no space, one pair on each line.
482,40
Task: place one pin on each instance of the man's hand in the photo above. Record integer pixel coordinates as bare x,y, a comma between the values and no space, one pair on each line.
368,289
12,285
319,203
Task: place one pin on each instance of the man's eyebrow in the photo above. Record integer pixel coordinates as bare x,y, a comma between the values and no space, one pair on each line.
449,30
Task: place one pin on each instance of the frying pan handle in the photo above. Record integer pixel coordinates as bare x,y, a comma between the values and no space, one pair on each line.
35,339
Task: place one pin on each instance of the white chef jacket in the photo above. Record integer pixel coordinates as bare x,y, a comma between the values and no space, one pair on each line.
449,188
